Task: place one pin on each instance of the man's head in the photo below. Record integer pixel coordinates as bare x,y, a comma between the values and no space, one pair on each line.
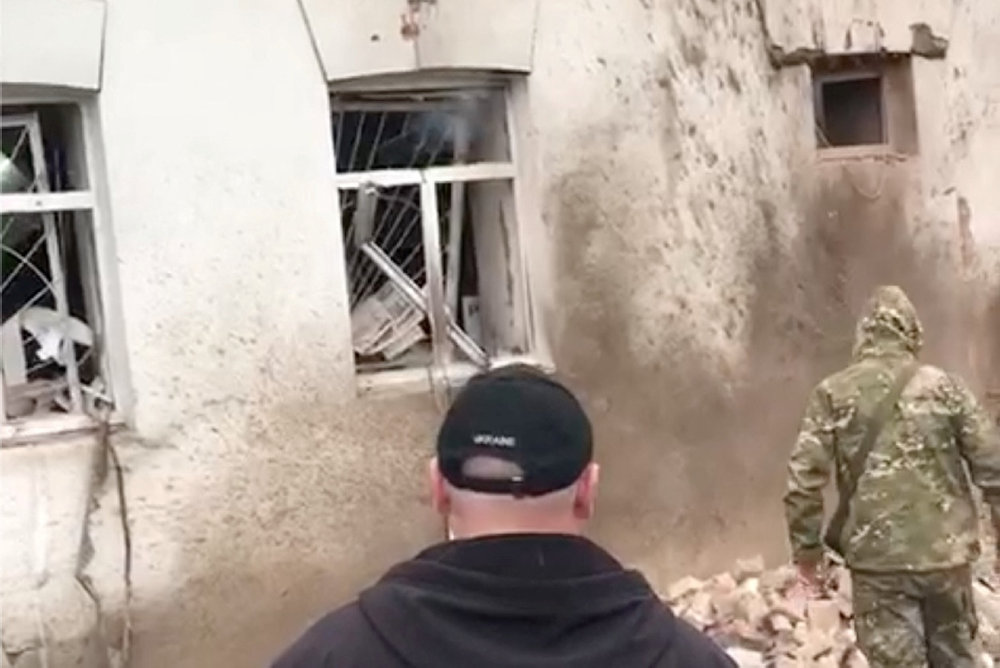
514,455
889,325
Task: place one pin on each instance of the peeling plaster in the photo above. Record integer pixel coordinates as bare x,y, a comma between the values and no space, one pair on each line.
926,43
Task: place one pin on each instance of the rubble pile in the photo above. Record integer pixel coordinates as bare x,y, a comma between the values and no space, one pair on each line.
765,620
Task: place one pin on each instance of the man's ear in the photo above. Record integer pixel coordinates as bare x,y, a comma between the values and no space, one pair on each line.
439,490
586,492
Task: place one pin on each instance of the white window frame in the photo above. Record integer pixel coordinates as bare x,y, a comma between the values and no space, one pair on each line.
446,370
94,200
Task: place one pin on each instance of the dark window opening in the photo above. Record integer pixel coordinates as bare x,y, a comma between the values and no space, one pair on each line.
850,112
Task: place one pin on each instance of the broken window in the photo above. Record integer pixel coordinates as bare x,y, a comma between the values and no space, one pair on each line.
864,100
432,250
51,362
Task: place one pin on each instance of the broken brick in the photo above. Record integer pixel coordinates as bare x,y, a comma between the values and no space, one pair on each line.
763,619
823,615
748,568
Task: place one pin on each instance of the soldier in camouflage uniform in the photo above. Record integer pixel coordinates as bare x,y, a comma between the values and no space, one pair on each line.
911,528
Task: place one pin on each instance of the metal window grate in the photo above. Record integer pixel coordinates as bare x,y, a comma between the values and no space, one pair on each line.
433,134
48,346
366,140
422,214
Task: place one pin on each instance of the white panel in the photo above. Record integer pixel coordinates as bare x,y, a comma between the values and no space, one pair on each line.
477,34
52,42
360,38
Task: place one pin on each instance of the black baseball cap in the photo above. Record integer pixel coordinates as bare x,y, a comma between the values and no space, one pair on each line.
520,415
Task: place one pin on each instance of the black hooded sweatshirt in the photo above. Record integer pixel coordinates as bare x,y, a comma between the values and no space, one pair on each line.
506,601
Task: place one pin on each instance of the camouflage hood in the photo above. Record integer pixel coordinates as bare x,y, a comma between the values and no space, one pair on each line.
889,326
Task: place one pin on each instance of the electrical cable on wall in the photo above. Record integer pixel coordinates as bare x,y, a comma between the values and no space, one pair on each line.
872,196
43,636
107,455
441,399
126,544
868,196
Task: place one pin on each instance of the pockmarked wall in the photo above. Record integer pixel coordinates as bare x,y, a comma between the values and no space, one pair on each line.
930,221
700,268
671,199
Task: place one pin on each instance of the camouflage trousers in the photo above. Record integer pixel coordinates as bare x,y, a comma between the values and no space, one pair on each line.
915,620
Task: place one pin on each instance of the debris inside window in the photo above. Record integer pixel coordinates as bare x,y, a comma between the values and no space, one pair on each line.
47,337
384,226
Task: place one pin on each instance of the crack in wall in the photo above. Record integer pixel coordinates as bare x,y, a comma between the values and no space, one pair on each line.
94,644
106,461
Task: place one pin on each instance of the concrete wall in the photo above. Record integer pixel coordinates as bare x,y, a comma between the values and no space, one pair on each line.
264,490
700,269
669,197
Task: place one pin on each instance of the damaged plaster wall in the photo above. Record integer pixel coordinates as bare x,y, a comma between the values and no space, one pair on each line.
259,489
909,219
853,26
959,101
711,265
666,187
704,268
44,499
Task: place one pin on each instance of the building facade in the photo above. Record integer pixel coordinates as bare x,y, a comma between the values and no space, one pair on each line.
250,249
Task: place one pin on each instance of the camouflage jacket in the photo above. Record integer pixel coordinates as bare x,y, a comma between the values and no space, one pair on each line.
912,509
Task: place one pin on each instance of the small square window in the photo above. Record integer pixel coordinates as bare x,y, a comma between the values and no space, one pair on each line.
865,100
432,246
850,112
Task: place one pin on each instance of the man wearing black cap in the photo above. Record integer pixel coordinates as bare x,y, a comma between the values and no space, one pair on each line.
518,586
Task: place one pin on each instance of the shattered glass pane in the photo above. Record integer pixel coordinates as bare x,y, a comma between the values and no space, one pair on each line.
16,165
34,355
430,133
412,131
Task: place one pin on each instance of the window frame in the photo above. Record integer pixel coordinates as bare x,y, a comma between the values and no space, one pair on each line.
897,98
446,370
820,80
101,280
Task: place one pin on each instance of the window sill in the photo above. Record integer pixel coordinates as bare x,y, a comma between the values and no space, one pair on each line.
882,152
29,431
418,379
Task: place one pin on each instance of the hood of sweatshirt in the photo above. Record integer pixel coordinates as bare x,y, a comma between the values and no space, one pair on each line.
519,600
